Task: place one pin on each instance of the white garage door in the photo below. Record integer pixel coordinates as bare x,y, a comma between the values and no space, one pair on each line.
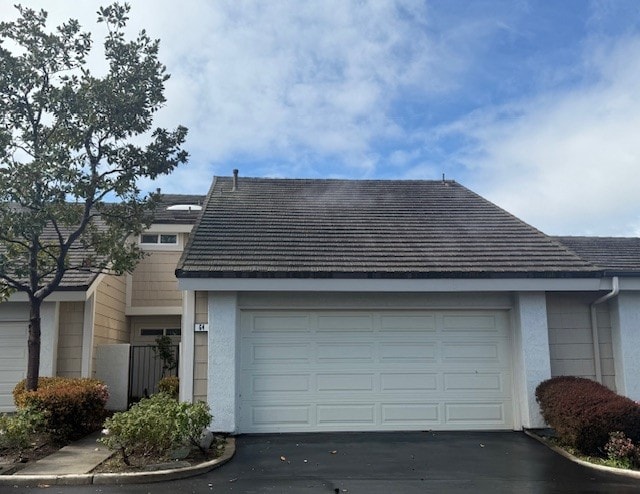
382,370
13,353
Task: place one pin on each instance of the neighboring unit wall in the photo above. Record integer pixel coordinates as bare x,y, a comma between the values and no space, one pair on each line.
200,368
71,319
152,322
570,337
110,323
154,282
201,350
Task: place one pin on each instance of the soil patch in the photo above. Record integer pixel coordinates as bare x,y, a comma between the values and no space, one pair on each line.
150,463
12,462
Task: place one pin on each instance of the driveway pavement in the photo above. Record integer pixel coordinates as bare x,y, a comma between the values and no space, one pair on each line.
394,462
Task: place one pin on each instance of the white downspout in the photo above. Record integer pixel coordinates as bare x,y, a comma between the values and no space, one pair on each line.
594,326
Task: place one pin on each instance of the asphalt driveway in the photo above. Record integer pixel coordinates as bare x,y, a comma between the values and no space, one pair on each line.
407,462
395,462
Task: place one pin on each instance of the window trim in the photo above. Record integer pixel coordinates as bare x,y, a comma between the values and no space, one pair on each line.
164,331
159,244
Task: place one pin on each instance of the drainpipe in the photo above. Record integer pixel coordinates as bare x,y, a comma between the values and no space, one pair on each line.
594,325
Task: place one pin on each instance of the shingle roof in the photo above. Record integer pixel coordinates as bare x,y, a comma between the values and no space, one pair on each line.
377,228
80,278
620,254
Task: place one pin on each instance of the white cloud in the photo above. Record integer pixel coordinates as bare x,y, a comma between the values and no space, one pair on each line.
568,162
288,82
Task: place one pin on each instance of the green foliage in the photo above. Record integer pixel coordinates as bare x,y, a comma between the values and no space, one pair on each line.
69,142
621,451
169,385
164,349
155,426
71,407
17,431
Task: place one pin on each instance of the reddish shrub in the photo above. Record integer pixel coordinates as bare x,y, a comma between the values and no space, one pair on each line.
584,412
72,407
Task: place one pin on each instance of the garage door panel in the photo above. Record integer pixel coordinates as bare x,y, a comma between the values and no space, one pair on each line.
379,370
340,414
471,323
273,417
13,353
471,352
421,414
403,381
414,352
473,381
409,323
345,324
352,383
347,353
475,413
264,325
280,383
279,354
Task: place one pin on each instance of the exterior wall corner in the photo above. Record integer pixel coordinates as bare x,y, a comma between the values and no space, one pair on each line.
223,337
625,336
532,360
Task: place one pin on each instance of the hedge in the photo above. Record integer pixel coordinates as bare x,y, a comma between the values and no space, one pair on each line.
71,407
584,412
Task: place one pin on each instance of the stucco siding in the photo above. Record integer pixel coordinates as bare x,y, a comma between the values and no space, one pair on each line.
200,367
154,282
570,337
71,319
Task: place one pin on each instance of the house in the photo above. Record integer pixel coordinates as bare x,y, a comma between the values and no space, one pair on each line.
91,323
338,305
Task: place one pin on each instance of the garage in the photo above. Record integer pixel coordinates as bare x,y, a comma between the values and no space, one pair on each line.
13,351
374,370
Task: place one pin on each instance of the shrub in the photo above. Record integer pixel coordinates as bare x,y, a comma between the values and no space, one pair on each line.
17,431
621,450
71,407
164,350
169,385
584,412
155,426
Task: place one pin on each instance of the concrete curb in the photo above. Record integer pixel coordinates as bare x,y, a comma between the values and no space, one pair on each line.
123,478
634,474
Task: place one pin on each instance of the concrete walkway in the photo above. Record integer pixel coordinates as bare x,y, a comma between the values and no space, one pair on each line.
75,459
72,465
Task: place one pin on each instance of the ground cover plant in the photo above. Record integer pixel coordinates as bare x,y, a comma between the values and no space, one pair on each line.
155,428
20,432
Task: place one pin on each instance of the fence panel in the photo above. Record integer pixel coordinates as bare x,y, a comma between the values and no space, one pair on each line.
145,371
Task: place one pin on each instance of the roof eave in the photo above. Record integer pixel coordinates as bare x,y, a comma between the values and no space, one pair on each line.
181,273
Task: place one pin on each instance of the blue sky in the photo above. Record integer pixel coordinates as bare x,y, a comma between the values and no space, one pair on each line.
533,104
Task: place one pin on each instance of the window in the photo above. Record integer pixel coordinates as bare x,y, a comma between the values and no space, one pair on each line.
160,332
159,239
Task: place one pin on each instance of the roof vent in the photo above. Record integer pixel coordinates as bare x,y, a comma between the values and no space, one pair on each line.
235,180
185,207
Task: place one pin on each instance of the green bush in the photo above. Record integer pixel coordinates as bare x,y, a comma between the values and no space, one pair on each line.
71,407
584,413
621,451
17,431
169,385
155,426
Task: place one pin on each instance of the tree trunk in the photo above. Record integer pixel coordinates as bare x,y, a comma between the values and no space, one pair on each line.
33,362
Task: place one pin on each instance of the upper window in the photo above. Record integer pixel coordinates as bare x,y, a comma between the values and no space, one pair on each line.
160,332
159,239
